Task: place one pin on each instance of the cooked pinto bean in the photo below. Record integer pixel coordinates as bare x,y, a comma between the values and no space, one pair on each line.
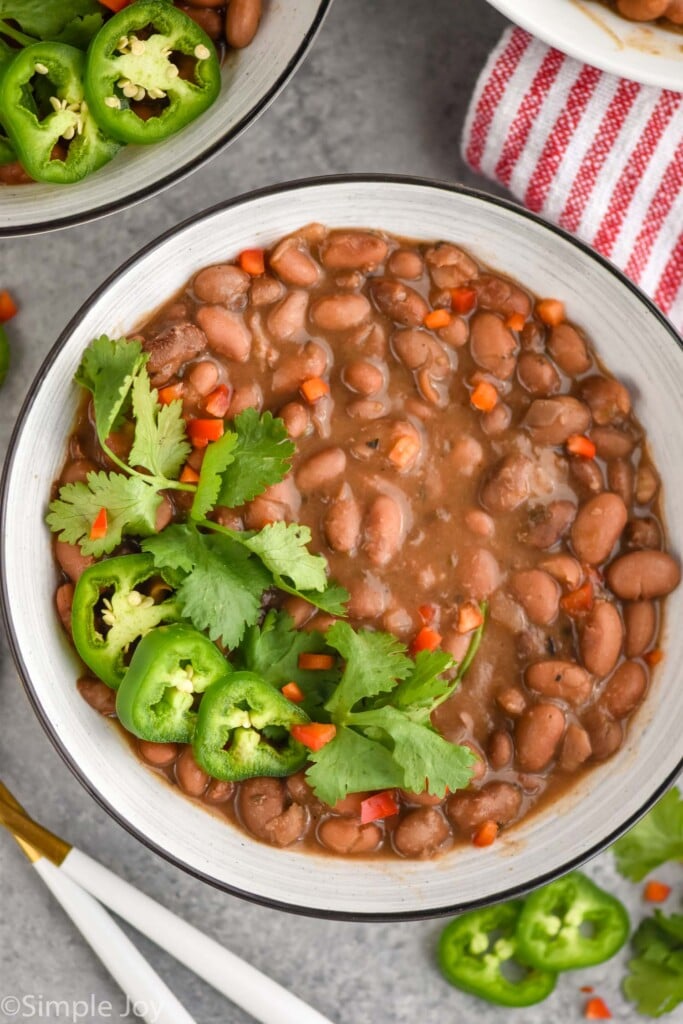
265,291
354,250
242,21
576,748
538,593
559,679
421,833
598,526
295,418
366,409
456,333
480,523
508,485
249,396
625,690
384,530
263,810
301,793
643,10
340,312
223,284
553,420
498,801
449,267
647,484
501,750
226,332
588,474
640,620
209,20
537,736
620,477
492,345
642,533
537,375
170,349
605,734
569,349
293,263
643,575
287,320
548,523
477,573
601,638
404,263
565,569
512,700
189,776
413,347
607,399
399,302
309,360
161,755
612,443
71,560
64,600
347,835
321,470
501,295
368,598
77,472
203,376
467,455
98,695
343,523
363,377
218,792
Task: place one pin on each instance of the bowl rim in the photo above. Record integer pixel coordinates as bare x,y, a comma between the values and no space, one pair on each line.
166,181
297,185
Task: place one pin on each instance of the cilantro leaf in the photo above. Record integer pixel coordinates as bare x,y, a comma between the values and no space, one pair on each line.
217,457
655,979
351,763
261,458
282,549
332,600
272,651
420,751
374,663
654,840
80,31
47,19
424,687
107,370
222,590
160,443
131,507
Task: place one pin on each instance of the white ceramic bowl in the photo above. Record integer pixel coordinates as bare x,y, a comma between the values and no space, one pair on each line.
643,52
252,78
634,340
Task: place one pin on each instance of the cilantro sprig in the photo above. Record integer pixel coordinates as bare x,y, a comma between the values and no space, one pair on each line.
382,709
655,979
657,838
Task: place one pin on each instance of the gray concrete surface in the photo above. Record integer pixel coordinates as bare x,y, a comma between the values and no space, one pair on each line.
385,88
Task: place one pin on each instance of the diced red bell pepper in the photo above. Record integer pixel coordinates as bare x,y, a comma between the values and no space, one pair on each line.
316,661
115,5
597,1009
171,393
313,735
578,601
8,307
463,300
579,444
426,640
656,892
98,530
218,402
252,261
485,834
379,805
202,431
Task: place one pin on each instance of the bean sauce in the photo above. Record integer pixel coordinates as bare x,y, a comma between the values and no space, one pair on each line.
542,500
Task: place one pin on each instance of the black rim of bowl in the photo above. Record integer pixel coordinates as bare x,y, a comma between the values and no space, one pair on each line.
301,185
133,198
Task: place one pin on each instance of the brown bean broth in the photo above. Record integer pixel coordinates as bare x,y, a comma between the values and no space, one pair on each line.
434,497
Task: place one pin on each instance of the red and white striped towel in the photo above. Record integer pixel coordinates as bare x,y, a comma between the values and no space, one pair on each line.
600,156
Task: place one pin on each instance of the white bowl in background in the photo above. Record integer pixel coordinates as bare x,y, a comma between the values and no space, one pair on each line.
252,78
641,51
634,340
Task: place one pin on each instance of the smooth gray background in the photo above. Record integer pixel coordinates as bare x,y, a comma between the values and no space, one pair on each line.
385,88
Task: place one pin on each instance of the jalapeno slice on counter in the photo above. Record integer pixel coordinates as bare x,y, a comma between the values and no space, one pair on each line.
7,151
478,953
113,606
142,55
170,665
46,117
571,923
243,730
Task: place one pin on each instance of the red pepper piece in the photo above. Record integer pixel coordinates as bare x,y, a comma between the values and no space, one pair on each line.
218,402
202,431
252,261
98,530
597,1009
292,691
379,805
426,640
463,300
8,307
313,735
656,892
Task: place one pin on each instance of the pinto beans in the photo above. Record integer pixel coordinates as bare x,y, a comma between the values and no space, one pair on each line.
309,360
456,333
537,375
551,421
223,284
207,19
642,10
363,377
477,573
262,808
563,680
189,776
597,527
321,470
449,266
287,320
160,755
539,595
265,290
226,332
607,399
413,347
77,472
611,443
620,477
565,569
501,295
501,750
301,793
293,263
492,345
547,523
71,560
606,735
368,598
171,349
64,600
537,736
340,312
625,690
407,264
497,801
248,396
576,748
601,639
400,303
347,835
642,575
479,523
241,22
512,700
342,523
508,486
587,473
295,418
203,376
98,695
647,484
642,533
421,833
640,621
467,455
384,530
569,350
354,250
218,792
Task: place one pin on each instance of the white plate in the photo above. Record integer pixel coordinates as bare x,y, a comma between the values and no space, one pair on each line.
629,333
596,35
252,78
